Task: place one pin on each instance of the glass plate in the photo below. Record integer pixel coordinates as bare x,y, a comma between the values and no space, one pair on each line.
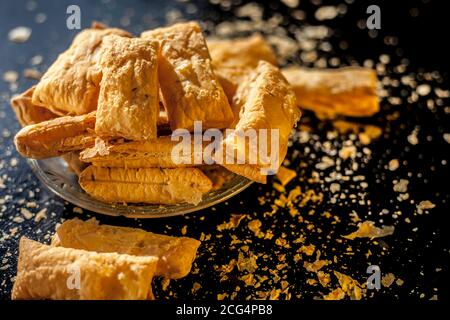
55,175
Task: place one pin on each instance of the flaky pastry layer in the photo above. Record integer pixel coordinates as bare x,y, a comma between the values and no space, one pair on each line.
57,273
71,84
190,89
349,91
128,103
233,59
27,112
55,137
265,100
175,254
145,185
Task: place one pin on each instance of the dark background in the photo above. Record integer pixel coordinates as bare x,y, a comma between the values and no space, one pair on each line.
413,256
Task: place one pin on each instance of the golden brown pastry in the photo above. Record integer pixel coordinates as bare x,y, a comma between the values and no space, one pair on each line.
217,174
175,254
155,154
233,59
145,185
347,91
190,89
71,84
128,103
55,137
265,100
27,112
46,272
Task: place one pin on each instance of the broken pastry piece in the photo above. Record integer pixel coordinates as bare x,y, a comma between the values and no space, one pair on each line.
331,92
190,89
56,137
233,59
175,254
128,103
160,153
266,103
46,272
71,84
145,185
27,112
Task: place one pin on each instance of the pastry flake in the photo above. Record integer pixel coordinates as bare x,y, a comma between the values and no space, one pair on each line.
27,112
190,89
175,254
233,59
145,185
155,154
128,103
46,272
55,137
347,91
71,84
265,100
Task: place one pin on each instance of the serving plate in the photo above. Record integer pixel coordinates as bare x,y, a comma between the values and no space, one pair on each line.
57,177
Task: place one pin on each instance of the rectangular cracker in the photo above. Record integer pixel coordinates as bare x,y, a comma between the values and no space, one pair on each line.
233,59
27,112
155,154
175,254
190,89
46,272
145,185
349,91
128,103
265,100
71,84
56,137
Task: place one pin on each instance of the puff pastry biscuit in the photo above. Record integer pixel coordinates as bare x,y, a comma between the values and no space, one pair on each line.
233,59
71,84
55,137
190,89
265,100
27,112
145,185
46,272
347,91
128,103
175,254
156,154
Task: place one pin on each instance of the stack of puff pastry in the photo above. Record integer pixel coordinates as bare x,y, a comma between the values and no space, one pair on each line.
109,103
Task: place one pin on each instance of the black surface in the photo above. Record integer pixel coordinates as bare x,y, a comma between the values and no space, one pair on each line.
420,258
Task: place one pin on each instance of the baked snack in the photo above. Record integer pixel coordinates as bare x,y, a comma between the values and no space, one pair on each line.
190,89
27,112
55,137
349,91
145,185
46,272
175,254
160,153
233,59
265,100
71,84
128,103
